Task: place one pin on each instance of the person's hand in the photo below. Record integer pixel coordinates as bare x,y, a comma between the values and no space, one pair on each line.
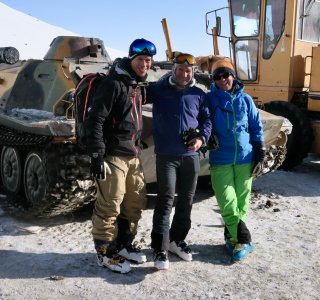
98,167
259,153
195,144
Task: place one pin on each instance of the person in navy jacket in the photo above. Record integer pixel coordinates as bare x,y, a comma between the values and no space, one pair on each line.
178,105
237,125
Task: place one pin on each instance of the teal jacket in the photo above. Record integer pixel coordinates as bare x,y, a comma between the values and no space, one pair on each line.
236,122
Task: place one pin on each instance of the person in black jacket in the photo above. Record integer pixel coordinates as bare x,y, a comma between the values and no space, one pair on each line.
114,125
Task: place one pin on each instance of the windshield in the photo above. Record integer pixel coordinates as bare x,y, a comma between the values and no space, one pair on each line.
245,17
246,26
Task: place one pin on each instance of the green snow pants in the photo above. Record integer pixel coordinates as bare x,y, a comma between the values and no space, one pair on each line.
232,186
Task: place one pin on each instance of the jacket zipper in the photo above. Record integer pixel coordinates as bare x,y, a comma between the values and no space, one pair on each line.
134,108
234,133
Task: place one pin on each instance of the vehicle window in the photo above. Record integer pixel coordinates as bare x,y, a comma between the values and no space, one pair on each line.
309,21
246,58
273,26
246,16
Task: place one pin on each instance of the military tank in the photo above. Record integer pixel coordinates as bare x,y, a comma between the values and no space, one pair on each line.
41,162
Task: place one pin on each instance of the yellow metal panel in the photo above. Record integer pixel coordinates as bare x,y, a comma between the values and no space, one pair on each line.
300,65
263,94
314,104
315,70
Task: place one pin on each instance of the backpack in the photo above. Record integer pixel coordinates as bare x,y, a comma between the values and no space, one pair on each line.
83,96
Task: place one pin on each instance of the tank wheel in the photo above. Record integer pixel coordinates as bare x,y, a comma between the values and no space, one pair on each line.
300,139
11,169
34,177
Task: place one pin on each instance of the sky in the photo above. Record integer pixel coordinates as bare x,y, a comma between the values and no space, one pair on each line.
119,22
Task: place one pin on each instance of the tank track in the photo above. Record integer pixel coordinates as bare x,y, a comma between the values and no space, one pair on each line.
9,137
275,156
69,185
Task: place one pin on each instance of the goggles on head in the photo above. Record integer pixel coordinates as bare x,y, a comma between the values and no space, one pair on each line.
142,47
224,75
184,58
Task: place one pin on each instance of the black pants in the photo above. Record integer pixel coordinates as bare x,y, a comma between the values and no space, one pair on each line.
174,172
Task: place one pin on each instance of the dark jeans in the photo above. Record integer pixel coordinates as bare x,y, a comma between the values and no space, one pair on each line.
174,172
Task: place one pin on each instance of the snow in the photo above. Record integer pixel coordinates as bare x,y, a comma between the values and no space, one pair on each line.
32,113
19,32
54,258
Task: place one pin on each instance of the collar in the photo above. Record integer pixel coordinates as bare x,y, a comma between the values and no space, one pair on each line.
173,83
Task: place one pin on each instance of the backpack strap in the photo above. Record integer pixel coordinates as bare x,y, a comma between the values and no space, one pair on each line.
87,96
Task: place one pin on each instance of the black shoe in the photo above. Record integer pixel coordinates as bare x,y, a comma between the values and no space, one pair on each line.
161,261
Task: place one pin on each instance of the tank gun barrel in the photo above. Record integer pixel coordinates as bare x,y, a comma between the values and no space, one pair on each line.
9,55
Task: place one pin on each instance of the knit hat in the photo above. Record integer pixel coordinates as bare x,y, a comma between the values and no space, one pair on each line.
222,66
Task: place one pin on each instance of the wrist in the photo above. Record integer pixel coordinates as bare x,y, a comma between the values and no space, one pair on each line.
258,144
96,157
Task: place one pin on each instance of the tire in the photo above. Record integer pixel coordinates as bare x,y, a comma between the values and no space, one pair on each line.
11,172
34,177
52,185
300,140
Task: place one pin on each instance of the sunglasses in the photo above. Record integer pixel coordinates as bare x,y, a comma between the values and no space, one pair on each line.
223,75
184,58
144,47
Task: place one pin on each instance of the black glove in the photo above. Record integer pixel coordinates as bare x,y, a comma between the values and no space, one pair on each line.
189,135
213,142
98,167
259,153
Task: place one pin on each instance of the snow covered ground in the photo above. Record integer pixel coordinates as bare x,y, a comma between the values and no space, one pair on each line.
54,259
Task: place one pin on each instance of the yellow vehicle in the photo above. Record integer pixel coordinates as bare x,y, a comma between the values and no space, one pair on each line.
275,46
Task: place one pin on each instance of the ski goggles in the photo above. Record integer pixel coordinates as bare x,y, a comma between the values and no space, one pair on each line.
141,47
224,75
184,58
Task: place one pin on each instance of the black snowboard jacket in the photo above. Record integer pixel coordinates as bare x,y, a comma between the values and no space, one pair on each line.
114,123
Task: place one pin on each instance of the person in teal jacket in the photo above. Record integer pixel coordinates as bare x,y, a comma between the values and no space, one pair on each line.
237,125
